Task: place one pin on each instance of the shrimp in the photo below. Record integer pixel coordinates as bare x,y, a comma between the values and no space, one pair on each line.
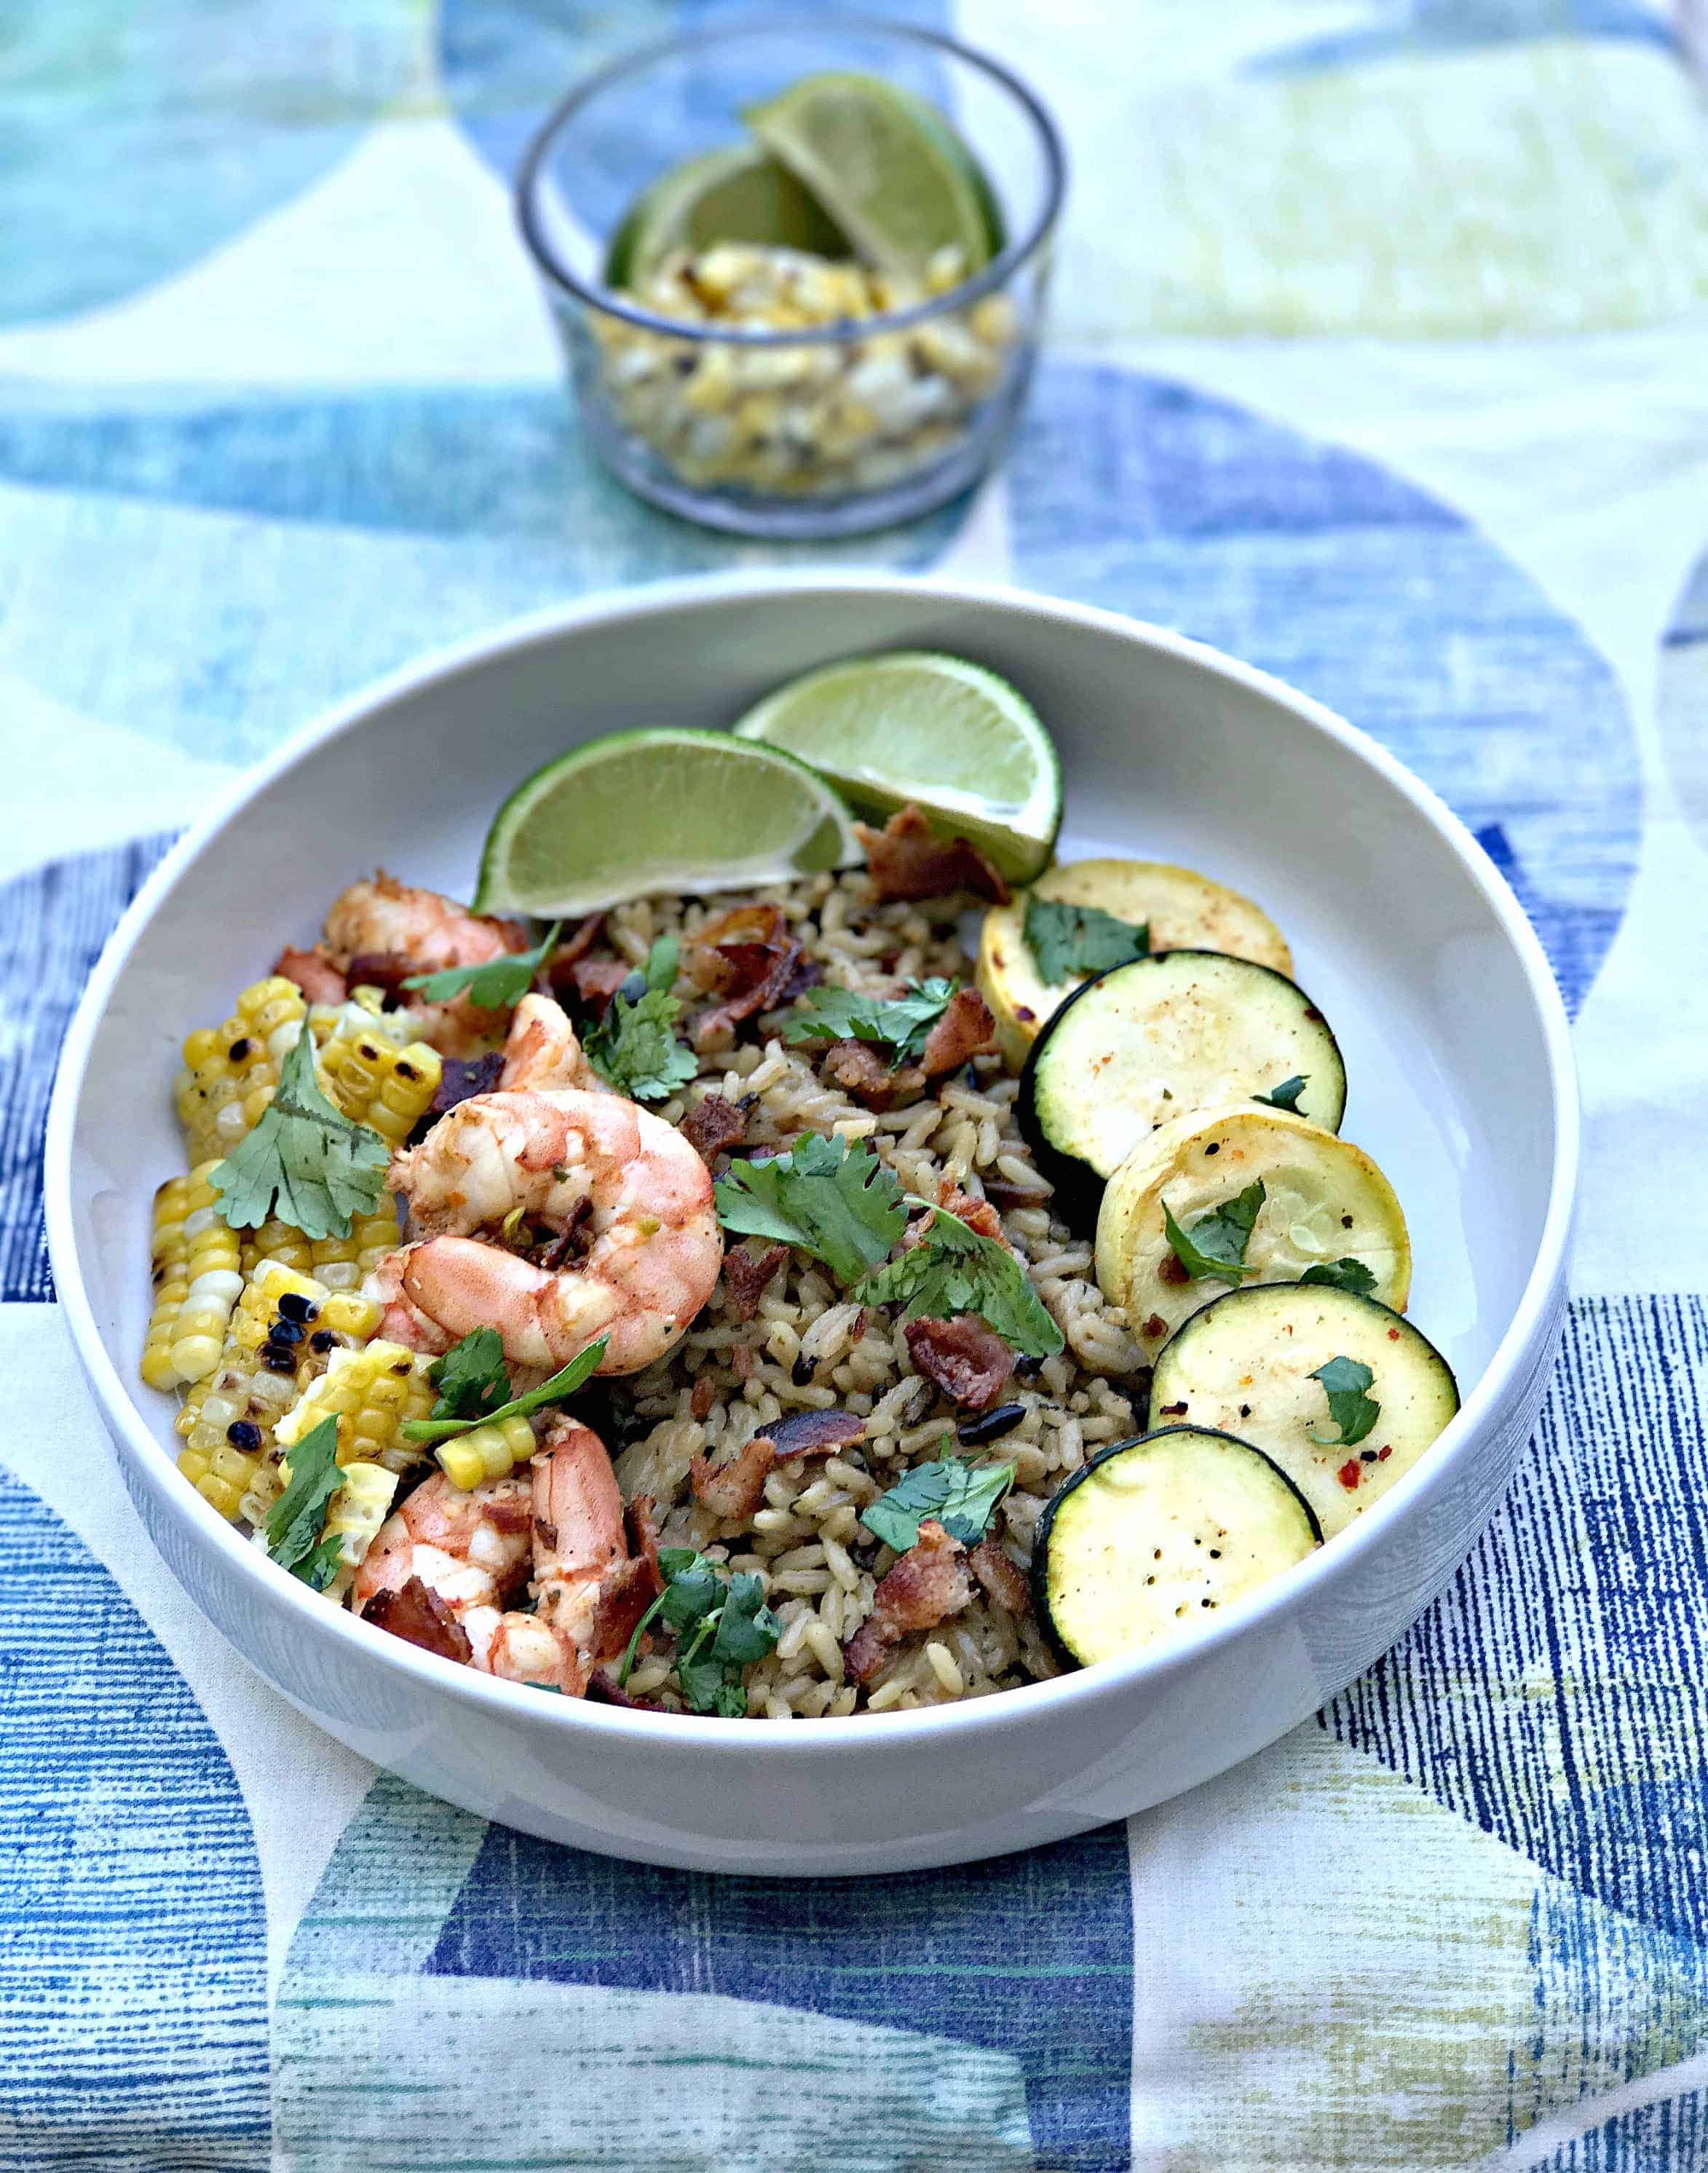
596,1172
472,1553
400,1321
386,929
543,1051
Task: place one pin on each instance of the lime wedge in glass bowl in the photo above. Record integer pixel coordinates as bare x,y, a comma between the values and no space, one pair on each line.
640,812
965,747
740,193
886,167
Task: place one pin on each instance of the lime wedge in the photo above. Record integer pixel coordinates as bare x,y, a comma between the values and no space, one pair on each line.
737,194
886,166
963,745
636,813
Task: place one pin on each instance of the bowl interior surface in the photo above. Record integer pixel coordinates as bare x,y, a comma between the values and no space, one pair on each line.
1393,921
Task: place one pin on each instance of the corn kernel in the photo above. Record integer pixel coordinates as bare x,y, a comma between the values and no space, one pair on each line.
485,1452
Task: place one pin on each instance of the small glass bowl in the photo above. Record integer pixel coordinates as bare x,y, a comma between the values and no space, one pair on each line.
855,424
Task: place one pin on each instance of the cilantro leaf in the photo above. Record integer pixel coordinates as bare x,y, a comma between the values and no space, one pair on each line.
1286,1095
305,1161
634,1047
1344,1380
1215,1247
1347,1274
497,986
831,1198
722,1625
564,1382
471,1377
293,1521
1069,939
961,1495
955,1269
902,1024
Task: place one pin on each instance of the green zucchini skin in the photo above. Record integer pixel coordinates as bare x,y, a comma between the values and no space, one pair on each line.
1046,1101
1248,1359
1282,1495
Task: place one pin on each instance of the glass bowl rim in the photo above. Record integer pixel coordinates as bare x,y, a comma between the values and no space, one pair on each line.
989,279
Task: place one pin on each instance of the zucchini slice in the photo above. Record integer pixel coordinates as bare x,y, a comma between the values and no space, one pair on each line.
1325,1200
1146,1541
1248,1361
1183,911
1156,1039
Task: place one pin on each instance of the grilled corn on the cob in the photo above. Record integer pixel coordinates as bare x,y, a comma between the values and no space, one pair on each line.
372,1391
487,1452
231,1070
197,1280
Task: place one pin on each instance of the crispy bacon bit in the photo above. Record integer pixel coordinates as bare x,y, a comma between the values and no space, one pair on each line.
1004,1580
604,1689
742,1358
417,1614
964,1030
705,1396
559,969
641,1526
968,1362
807,974
625,1593
713,1126
1005,1196
736,1488
907,859
597,980
746,1273
387,971
746,956
1172,1269
857,1068
928,1585
574,1241
459,1080
1172,1411
314,974
817,1433
1349,1473
1156,1326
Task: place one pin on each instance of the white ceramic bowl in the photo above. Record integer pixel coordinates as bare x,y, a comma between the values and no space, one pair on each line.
1461,1083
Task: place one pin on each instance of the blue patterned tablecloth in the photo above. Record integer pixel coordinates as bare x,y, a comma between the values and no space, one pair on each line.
1380,358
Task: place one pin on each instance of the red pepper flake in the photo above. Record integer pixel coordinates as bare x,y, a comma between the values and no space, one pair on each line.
1156,1326
1349,1473
1383,1454
705,1396
1394,1335
1173,1411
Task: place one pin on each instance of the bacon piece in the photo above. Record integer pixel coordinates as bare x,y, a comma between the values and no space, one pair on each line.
713,1126
964,1030
817,1433
604,1689
735,1489
928,1585
1005,1581
746,956
459,1080
314,974
597,980
640,1525
573,1242
1005,1196
907,859
976,1214
746,1275
559,969
625,1593
417,1614
387,971
968,1362
857,1068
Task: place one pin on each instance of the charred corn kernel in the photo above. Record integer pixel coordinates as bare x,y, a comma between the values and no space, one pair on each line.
377,1083
370,1392
230,1070
487,1451
285,1331
221,1476
359,1508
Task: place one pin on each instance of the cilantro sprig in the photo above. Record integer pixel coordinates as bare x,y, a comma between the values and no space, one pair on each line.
832,1198
499,985
471,1378
634,1047
1347,1274
1067,941
1286,1095
1215,1248
564,1382
900,1024
1345,1382
954,1269
961,1495
305,1161
293,1521
722,1625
